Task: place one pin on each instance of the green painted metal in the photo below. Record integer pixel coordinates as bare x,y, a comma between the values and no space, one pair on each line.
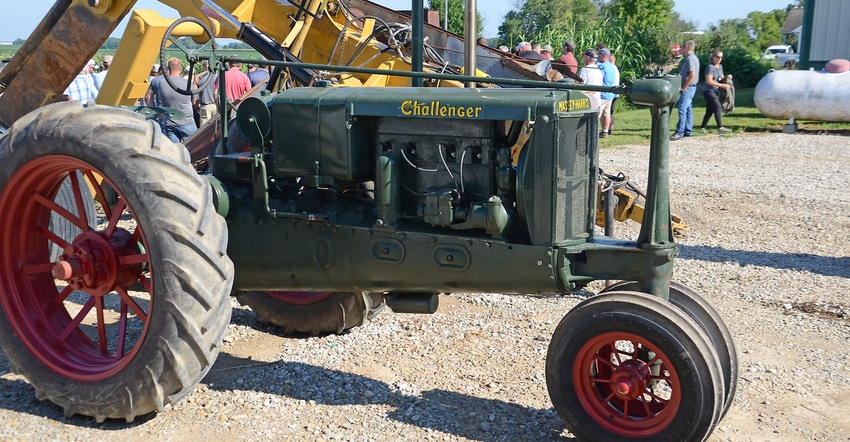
412,190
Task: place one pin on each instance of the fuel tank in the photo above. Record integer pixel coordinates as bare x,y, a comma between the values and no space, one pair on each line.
804,95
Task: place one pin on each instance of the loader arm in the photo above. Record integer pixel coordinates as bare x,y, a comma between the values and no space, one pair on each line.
68,36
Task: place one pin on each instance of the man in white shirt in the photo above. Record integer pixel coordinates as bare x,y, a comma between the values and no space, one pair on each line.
591,75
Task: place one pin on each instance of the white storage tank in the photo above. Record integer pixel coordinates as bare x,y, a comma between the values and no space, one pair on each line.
804,95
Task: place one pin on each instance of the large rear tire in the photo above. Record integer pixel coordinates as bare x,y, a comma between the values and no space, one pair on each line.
629,366
313,313
131,315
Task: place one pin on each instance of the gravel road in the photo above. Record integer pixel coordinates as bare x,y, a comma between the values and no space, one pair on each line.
768,247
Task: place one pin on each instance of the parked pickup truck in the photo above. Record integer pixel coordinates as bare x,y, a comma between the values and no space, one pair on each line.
783,54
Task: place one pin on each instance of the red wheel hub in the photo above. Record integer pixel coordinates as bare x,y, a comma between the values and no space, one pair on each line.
626,385
92,262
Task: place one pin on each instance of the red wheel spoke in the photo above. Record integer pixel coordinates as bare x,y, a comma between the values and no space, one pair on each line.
130,302
62,296
133,259
137,234
601,381
52,236
616,353
78,198
146,282
605,362
38,268
75,323
116,215
649,412
61,211
626,409
122,332
101,325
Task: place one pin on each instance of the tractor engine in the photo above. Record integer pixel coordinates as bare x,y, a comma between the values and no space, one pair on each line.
419,165
450,160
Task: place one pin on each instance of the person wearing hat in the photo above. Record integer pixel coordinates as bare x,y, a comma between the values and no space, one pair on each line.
609,78
533,52
100,76
236,82
522,47
591,75
546,52
256,74
82,89
567,56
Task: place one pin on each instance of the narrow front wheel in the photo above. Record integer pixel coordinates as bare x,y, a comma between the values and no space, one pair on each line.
629,366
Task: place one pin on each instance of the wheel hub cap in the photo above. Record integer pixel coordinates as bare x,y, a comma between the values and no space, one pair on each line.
92,262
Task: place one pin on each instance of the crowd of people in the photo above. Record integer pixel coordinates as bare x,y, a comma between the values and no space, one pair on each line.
598,67
196,109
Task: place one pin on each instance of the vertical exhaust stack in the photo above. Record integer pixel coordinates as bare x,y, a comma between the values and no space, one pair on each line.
470,39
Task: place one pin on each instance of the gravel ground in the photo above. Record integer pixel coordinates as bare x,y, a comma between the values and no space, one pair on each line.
767,247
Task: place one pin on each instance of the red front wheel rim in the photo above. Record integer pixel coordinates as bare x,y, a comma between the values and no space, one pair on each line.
626,384
84,316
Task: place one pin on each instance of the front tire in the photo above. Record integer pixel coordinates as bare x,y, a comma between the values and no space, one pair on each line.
629,366
131,315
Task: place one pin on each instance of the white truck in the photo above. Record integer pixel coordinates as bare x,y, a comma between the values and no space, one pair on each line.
784,55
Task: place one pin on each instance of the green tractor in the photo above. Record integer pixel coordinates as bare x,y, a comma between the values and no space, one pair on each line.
348,200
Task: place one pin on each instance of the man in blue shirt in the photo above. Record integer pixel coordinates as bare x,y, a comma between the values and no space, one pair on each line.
690,67
609,78
257,74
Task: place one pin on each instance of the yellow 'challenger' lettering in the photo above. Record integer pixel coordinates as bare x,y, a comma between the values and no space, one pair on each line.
413,108
571,105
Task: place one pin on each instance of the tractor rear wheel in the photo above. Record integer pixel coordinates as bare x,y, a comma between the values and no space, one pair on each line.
711,323
313,313
130,316
629,366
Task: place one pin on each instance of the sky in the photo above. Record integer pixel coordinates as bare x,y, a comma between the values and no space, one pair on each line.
19,18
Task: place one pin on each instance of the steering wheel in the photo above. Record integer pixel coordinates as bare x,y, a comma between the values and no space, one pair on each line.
192,55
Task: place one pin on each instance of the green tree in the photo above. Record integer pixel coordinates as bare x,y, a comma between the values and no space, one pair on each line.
727,35
765,27
639,15
537,15
536,19
510,30
456,16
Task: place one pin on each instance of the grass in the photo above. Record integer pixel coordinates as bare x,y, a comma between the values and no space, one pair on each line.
632,126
